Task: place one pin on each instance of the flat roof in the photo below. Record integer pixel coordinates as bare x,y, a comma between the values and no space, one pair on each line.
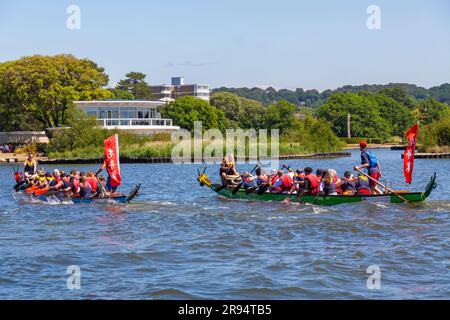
179,85
151,103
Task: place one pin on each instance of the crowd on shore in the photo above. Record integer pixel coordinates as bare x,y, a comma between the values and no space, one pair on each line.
9,148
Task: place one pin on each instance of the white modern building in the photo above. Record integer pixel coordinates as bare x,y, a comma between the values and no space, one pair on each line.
178,88
140,117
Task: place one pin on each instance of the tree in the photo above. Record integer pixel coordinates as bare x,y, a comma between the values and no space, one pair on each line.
118,94
366,120
441,93
280,115
239,112
397,114
432,110
231,106
185,110
136,85
40,90
400,96
314,135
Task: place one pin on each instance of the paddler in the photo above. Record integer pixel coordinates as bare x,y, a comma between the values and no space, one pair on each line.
92,180
85,188
261,177
311,182
42,179
347,184
29,167
283,182
327,186
249,181
370,162
228,172
50,180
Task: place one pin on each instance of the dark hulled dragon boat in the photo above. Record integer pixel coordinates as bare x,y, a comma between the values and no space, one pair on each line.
243,194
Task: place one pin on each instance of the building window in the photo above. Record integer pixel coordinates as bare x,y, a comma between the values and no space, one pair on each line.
91,111
103,113
143,113
127,113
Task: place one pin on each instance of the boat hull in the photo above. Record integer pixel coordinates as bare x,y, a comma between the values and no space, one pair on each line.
61,198
119,199
321,200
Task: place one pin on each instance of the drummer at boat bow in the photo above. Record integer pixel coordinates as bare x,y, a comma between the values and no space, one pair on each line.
370,162
228,173
29,167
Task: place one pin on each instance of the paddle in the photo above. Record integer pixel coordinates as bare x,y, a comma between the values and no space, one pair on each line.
235,190
383,186
263,188
103,192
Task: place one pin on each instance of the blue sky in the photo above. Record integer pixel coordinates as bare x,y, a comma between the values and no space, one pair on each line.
285,43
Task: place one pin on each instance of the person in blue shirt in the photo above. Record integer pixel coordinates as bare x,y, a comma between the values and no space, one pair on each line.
372,165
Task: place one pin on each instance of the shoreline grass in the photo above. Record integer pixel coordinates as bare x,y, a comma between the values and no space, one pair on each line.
163,149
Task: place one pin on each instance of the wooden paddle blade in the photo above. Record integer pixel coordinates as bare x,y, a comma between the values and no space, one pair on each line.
218,189
51,193
251,190
262,189
235,190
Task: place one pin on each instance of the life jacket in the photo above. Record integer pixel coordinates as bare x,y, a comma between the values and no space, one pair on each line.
75,185
18,177
227,169
262,179
362,183
93,183
29,167
286,180
299,177
348,186
329,188
86,190
314,183
273,179
51,182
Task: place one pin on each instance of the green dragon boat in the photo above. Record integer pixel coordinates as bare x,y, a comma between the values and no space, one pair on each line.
241,194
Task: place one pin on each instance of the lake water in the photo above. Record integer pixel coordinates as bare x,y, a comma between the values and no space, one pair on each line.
178,240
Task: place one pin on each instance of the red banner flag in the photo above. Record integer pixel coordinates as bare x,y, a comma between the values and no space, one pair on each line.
408,155
112,159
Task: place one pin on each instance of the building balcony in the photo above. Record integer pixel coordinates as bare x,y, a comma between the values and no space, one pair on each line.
136,122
